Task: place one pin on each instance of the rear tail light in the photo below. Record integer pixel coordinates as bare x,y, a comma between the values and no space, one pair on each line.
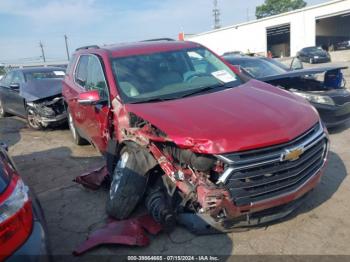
16,220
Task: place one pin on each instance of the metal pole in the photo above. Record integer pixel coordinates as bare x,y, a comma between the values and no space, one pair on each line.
42,51
216,14
67,50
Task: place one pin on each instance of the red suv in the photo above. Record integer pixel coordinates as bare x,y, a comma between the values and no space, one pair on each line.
182,130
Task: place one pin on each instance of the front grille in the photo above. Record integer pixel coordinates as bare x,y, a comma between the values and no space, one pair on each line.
256,175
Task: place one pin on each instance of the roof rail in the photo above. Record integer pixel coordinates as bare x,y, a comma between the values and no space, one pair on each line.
87,47
158,39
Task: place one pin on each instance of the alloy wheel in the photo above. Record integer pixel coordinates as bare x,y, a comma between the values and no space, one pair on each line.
33,121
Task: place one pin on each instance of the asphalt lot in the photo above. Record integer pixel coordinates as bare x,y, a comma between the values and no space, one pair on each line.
48,161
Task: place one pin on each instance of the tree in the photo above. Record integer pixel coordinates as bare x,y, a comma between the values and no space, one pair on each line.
274,7
2,70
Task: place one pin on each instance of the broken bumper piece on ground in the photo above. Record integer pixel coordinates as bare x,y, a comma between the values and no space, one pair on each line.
94,179
126,232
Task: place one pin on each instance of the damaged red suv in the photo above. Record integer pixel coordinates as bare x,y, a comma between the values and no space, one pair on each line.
186,134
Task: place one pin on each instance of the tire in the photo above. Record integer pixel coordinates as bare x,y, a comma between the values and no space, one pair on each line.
77,138
2,110
32,121
128,185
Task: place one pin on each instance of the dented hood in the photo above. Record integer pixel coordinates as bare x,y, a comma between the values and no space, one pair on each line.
35,90
250,116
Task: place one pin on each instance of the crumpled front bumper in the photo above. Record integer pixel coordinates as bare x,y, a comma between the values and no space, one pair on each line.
57,119
262,212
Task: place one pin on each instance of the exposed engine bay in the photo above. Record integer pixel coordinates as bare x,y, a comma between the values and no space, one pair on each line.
214,193
47,111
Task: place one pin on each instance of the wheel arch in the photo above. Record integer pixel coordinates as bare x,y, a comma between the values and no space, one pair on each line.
145,158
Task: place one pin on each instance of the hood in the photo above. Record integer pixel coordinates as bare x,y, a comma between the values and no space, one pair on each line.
301,72
250,116
39,89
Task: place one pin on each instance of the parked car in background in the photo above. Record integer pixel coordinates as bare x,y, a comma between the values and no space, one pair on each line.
22,224
34,94
178,125
237,53
343,45
329,97
313,55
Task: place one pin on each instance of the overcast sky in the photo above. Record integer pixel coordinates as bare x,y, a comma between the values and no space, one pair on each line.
23,23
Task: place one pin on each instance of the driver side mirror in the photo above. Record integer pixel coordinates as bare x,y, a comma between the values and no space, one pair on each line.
296,64
89,98
14,86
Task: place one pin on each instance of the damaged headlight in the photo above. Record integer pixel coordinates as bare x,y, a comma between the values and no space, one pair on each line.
326,100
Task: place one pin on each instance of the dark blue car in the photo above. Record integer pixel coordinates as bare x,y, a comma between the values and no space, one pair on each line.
34,94
330,97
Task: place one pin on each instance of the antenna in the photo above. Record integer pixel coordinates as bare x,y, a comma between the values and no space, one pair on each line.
216,14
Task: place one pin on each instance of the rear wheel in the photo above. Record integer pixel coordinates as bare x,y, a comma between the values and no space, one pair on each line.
128,185
78,140
2,110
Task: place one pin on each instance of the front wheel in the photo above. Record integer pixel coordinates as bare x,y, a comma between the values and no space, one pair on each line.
128,185
2,110
33,120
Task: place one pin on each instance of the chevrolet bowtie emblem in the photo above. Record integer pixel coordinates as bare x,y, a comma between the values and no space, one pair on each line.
292,154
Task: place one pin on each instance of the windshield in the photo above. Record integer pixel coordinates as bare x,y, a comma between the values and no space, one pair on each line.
171,75
314,50
277,63
29,76
258,67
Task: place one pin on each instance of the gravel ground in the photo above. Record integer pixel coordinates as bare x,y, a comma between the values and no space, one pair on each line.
48,161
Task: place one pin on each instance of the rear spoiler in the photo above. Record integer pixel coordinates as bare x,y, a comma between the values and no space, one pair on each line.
302,72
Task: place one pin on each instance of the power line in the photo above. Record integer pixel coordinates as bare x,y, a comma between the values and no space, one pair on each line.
42,51
216,14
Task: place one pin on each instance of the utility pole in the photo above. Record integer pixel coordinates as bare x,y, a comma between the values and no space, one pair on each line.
42,51
216,14
66,41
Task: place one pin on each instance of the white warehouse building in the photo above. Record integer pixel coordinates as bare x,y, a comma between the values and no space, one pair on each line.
284,34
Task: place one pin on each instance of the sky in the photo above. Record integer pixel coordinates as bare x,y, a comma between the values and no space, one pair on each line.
24,23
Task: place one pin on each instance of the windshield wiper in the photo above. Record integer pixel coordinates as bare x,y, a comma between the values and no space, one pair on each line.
154,99
195,92
203,90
